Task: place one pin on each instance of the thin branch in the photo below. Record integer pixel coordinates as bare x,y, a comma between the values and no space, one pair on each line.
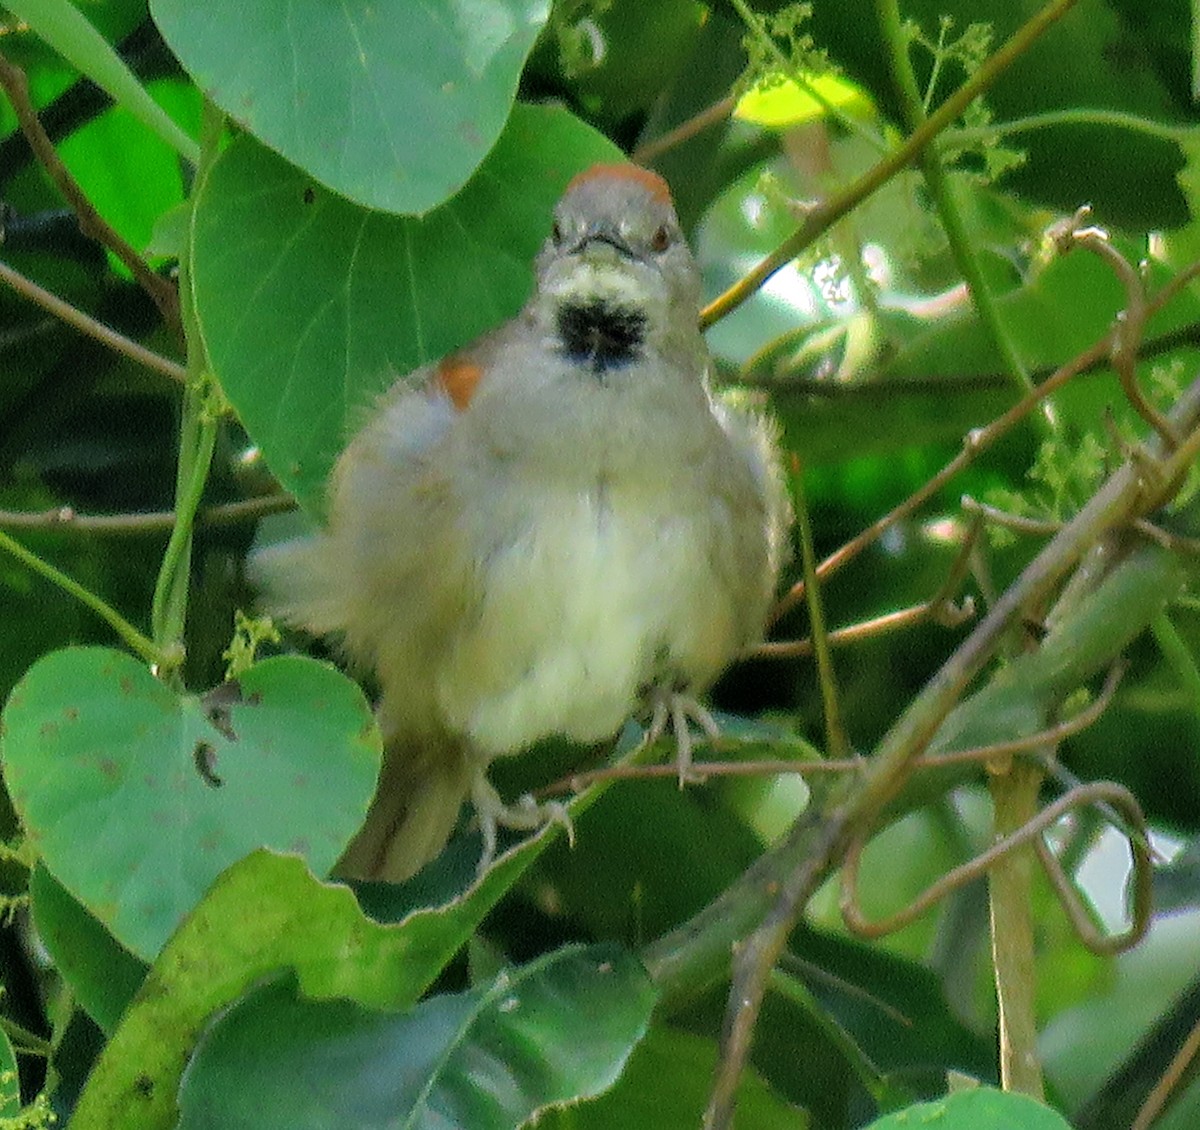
1018,523
91,223
135,640
1079,913
819,389
68,519
828,212
1130,322
1051,735
1178,1070
1097,791
713,115
836,742
953,223
1043,527
940,608
27,288
1071,117
867,629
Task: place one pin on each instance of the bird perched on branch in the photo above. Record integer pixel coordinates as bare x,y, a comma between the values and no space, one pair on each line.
550,530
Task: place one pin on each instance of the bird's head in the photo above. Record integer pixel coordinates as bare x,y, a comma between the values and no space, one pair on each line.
615,276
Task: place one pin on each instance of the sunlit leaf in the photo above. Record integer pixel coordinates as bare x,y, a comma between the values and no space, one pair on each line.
783,102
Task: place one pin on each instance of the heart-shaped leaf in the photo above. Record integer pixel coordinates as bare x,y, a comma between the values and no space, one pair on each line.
311,306
137,798
390,103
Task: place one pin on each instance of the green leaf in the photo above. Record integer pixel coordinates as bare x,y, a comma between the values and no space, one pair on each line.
1078,287
389,103
551,1032
311,306
666,1086
130,178
983,1108
10,1086
782,103
835,423
102,974
137,798
266,913
67,30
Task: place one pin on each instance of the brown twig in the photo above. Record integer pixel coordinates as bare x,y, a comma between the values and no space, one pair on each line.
1044,527
940,608
1131,322
86,324
91,223
983,438
1106,791
1018,523
223,514
1176,1073
867,629
1051,735
713,115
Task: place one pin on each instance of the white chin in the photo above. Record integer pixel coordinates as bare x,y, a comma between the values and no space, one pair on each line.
591,282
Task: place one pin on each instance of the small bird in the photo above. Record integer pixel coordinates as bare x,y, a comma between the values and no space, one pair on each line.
546,532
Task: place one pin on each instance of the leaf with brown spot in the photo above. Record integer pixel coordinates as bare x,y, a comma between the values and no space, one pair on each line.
142,797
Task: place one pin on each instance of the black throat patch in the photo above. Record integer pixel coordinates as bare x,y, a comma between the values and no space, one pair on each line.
600,335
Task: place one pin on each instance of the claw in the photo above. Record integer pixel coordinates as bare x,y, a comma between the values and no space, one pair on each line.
670,707
525,815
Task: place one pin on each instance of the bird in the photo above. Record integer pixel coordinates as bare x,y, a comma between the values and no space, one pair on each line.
554,529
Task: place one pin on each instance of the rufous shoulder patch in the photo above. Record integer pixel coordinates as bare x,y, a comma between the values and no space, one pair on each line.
459,378
625,170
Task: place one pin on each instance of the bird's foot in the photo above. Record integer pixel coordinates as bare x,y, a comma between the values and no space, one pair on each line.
678,710
524,815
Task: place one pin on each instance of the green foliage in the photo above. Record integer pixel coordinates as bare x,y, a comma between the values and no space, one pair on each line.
137,798
983,1108
346,193
494,1056
965,53
454,69
780,44
1064,477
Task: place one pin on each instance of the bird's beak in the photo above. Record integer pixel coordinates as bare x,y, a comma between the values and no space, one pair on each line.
603,235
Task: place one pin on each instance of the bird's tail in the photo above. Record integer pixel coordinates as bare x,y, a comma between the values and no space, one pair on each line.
421,789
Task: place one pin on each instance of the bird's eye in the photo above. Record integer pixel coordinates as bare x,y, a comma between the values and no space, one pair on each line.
661,239
556,233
